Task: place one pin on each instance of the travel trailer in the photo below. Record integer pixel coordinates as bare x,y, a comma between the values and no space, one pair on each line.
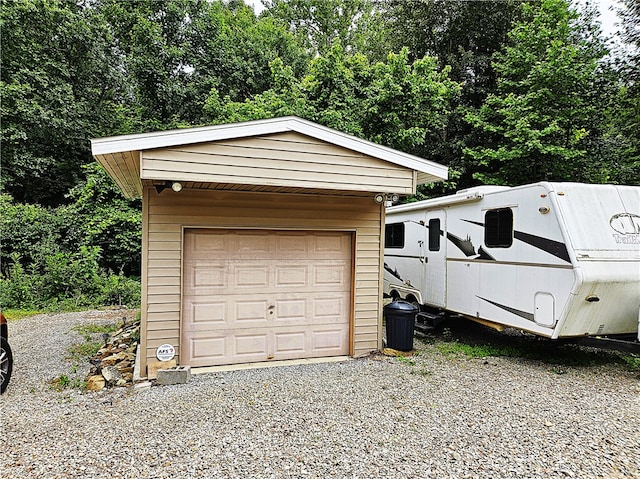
558,260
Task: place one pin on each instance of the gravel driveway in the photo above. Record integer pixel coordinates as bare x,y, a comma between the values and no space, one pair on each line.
432,416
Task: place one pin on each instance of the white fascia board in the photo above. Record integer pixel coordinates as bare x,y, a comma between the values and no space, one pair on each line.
164,139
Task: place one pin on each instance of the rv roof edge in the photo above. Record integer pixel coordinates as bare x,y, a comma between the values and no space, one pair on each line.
438,202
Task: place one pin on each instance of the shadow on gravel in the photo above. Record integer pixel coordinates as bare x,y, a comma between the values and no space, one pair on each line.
464,337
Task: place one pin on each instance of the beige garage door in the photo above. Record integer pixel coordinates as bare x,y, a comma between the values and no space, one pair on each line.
264,295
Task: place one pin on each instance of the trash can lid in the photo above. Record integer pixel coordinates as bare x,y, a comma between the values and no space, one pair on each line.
400,305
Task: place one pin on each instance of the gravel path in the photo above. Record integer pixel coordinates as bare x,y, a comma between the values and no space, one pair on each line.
432,416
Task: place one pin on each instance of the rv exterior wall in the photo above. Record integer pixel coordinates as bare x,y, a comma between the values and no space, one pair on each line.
553,246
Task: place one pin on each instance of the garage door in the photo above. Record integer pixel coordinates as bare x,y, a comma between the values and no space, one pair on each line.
264,295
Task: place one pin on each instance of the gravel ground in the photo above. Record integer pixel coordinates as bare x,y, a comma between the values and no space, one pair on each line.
431,416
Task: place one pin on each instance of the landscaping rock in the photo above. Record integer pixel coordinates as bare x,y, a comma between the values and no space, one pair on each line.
95,382
115,361
111,375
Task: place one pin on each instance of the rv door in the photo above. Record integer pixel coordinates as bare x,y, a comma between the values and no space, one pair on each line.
435,254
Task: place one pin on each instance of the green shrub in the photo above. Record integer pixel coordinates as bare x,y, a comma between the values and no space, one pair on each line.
67,282
117,289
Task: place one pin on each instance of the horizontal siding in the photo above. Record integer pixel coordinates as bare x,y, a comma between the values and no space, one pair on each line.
164,281
168,214
285,160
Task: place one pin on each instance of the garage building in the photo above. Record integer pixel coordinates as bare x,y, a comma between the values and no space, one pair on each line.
262,240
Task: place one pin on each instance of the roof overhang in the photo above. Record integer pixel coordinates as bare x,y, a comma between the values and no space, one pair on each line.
120,155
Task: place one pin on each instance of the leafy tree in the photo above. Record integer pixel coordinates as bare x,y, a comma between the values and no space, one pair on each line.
58,87
397,103
175,51
320,24
463,36
549,104
74,255
230,50
626,119
151,39
100,216
28,232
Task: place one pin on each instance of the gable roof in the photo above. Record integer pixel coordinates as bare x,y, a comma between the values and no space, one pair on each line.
120,154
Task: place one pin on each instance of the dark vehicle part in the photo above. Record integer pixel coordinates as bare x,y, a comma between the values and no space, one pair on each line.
6,356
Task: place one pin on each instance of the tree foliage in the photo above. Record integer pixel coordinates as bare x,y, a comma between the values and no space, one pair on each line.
58,88
626,120
502,92
397,103
319,25
549,105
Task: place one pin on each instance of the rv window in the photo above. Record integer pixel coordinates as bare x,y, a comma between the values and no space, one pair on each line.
498,228
434,234
394,235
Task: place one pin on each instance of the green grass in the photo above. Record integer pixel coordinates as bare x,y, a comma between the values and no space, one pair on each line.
65,382
405,360
83,351
633,363
477,351
547,352
80,352
16,314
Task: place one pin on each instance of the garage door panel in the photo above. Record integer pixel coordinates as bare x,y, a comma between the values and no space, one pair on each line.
250,310
292,244
206,350
287,276
217,348
204,275
332,275
325,245
213,313
251,246
330,309
261,295
330,340
287,343
249,276
251,346
289,310
204,243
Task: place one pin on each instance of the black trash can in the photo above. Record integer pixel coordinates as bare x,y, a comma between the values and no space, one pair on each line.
401,319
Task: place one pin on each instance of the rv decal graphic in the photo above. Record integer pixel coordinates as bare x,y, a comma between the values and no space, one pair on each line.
393,272
626,227
482,254
466,246
556,248
517,312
